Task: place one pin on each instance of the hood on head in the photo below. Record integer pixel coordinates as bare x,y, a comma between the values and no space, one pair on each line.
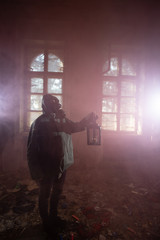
50,104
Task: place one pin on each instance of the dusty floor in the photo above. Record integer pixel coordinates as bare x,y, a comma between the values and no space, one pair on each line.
103,202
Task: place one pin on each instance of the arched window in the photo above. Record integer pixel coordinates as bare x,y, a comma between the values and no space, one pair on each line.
45,69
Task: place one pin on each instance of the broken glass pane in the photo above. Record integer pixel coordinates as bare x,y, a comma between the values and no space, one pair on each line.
36,85
33,116
54,85
128,66
37,63
128,89
109,122
109,105
111,70
54,63
128,105
36,102
110,88
127,122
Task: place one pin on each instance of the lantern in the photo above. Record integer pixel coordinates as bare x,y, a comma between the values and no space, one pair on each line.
93,134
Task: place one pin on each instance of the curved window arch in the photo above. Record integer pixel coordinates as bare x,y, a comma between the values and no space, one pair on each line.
37,64
45,75
54,63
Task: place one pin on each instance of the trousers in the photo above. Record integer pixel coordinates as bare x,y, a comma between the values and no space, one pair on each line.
50,189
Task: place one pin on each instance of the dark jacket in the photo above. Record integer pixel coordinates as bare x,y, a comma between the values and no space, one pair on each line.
49,147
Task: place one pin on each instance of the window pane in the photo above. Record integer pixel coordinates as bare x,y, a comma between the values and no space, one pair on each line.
113,71
54,63
128,105
36,102
109,105
128,89
110,88
33,116
54,85
36,85
128,66
127,122
37,64
109,122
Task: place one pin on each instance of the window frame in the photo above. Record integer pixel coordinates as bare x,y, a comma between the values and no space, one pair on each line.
119,52
47,47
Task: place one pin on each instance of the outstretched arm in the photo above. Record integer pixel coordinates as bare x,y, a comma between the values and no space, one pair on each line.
80,126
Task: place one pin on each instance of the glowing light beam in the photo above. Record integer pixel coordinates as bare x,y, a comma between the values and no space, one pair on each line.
154,104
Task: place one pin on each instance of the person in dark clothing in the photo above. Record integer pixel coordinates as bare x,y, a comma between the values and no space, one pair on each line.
49,154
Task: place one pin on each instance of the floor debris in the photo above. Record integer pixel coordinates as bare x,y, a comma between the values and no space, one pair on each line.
95,205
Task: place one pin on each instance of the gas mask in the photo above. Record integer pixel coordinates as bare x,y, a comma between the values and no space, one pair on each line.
50,104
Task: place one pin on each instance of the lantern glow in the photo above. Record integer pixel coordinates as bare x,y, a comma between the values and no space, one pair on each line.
93,134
